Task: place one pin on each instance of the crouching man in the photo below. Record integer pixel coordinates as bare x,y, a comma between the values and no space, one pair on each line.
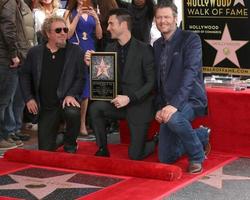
52,79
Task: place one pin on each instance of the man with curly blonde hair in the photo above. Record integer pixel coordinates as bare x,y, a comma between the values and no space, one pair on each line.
51,81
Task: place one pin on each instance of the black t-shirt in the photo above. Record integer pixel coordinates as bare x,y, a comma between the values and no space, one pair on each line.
52,67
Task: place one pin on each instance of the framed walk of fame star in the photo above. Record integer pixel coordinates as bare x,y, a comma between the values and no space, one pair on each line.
103,76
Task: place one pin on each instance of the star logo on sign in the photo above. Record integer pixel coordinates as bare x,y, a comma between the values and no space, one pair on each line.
216,178
226,47
102,69
41,187
239,1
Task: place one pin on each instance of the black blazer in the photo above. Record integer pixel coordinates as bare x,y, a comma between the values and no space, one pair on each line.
138,79
72,78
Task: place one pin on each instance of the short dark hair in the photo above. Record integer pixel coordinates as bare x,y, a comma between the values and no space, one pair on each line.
122,15
167,4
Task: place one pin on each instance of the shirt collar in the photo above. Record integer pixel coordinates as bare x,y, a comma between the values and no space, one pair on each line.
164,42
125,45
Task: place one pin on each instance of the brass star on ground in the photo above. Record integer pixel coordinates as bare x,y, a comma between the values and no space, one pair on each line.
226,47
41,187
216,178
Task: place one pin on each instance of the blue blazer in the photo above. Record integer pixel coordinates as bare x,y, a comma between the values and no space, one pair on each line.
184,80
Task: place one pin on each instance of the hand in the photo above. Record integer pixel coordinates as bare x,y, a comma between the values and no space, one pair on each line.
120,101
93,13
70,101
158,117
32,106
81,10
87,56
15,62
167,112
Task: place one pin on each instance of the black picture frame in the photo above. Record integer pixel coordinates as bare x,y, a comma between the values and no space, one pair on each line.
103,76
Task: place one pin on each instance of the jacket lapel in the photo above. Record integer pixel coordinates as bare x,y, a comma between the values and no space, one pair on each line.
172,45
169,60
68,54
131,57
39,63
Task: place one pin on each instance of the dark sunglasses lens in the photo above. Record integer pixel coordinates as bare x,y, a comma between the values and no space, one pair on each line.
59,30
66,30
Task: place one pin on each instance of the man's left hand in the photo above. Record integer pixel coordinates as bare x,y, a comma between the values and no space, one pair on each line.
167,113
70,101
120,101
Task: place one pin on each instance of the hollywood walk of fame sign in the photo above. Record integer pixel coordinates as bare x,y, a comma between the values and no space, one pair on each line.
103,76
223,26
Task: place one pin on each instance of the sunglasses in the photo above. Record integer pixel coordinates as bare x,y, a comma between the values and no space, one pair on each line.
59,30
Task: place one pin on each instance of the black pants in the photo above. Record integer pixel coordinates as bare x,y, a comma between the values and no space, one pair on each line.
49,122
100,111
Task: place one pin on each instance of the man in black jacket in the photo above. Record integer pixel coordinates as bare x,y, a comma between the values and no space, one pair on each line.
13,48
51,82
136,78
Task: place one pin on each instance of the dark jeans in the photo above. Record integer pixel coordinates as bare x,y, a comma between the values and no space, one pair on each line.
14,113
48,126
177,137
8,83
100,111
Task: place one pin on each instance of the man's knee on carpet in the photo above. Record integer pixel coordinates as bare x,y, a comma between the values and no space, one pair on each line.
134,154
71,112
47,145
168,159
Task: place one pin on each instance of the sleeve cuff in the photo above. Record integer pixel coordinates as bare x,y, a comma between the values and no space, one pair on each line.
132,98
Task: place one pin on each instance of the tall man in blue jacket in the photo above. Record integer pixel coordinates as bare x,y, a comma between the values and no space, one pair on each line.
181,93
51,81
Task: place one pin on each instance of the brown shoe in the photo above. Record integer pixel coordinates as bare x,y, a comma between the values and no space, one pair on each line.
207,149
195,168
5,145
18,143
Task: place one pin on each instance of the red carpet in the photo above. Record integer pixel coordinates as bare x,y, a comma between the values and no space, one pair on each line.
134,187
114,166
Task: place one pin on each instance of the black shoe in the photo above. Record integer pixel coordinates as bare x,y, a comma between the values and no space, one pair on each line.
156,138
102,152
70,148
22,136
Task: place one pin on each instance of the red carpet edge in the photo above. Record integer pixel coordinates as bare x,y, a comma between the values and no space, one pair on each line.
113,166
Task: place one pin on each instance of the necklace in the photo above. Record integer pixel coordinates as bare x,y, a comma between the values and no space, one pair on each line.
48,13
52,51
